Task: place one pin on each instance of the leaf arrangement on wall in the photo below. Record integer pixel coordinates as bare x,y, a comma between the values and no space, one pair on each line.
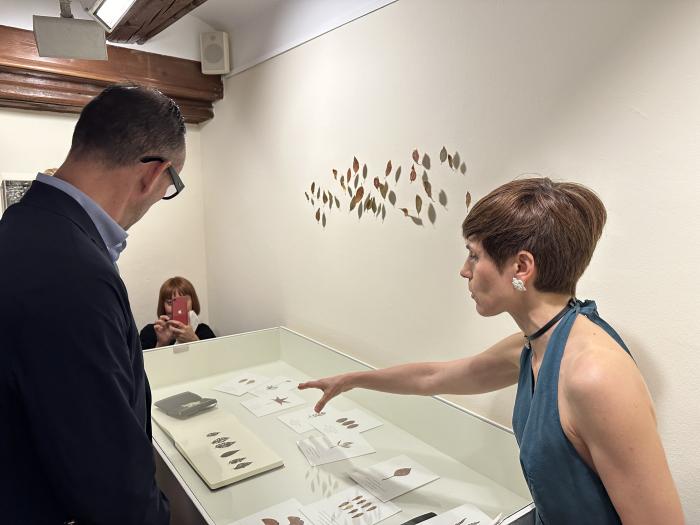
416,197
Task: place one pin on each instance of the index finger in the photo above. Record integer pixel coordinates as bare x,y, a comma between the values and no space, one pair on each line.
310,384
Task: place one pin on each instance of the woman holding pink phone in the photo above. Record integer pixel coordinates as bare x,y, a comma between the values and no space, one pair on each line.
178,308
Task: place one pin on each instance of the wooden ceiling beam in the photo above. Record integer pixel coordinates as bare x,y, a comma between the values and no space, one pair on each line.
28,81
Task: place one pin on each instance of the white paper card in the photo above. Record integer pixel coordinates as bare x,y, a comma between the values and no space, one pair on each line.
241,383
324,449
273,386
391,478
466,514
355,420
353,506
300,421
263,406
285,513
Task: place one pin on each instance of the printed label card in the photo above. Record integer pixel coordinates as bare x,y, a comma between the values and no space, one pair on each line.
241,384
300,421
285,513
356,420
327,449
466,514
276,385
263,406
353,506
389,479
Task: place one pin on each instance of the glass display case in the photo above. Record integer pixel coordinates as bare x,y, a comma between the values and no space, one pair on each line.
476,460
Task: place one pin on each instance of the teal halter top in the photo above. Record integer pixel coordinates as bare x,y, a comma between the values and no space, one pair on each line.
566,491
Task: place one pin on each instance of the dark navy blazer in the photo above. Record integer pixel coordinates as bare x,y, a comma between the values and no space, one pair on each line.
75,434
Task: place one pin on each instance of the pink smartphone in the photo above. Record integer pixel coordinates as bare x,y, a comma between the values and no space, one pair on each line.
180,309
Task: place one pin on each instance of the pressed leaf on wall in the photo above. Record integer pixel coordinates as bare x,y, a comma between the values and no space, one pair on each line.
359,211
398,173
355,165
442,198
307,195
342,183
335,173
323,219
415,155
313,188
383,212
325,198
383,189
337,203
443,154
405,211
455,160
426,161
376,182
357,181
364,171
468,199
387,171
392,197
318,192
318,215
431,213
348,175
350,192
419,204
449,160
428,189
413,173
417,220
463,168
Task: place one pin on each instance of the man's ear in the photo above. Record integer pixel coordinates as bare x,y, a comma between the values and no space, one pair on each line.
150,175
524,266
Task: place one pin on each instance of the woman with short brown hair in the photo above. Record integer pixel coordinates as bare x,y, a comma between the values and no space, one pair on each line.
166,330
583,417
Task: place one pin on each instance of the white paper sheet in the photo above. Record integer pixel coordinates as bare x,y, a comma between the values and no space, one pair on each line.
466,514
285,513
326,449
241,383
389,479
273,386
300,421
263,406
353,506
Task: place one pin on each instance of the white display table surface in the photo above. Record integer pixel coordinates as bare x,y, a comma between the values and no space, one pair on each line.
477,461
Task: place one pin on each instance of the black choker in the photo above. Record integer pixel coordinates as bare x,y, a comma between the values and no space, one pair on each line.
550,323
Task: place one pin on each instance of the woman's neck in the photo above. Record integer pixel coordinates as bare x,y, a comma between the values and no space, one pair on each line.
534,312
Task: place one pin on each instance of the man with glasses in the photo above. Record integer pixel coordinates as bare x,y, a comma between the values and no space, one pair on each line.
76,440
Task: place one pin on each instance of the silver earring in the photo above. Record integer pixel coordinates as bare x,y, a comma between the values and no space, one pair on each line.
518,284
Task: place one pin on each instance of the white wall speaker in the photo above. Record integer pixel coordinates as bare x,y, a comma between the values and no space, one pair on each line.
216,56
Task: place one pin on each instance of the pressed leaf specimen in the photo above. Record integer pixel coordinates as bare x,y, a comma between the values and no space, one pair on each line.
280,400
399,473
242,465
212,434
219,440
224,445
229,453
270,521
295,520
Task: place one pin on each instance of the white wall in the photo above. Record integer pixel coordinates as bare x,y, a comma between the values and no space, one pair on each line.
604,93
180,39
168,241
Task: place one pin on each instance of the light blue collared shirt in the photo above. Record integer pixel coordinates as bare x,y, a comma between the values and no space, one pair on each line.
113,235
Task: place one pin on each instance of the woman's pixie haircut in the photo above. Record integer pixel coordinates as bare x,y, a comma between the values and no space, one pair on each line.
559,223
180,285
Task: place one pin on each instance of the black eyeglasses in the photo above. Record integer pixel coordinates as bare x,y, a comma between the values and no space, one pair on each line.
177,186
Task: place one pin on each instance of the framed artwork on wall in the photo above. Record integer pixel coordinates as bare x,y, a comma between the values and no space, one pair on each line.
13,186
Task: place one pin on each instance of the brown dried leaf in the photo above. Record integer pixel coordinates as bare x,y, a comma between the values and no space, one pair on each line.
402,472
424,177
468,199
398,173
350,191
417,221
416,156
413,173
431,213
318,192
463,168
323,219
383,190
388,169
359,211
357,180
383,212
325,198
449,160
307,195
318,215
342,183
392,197
270,521
426,161
376,182
335,173
313,188
355,164
443,154
428,188
442,198
419,204
348,175
455,159
405,211
337,203
296,520
364,171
